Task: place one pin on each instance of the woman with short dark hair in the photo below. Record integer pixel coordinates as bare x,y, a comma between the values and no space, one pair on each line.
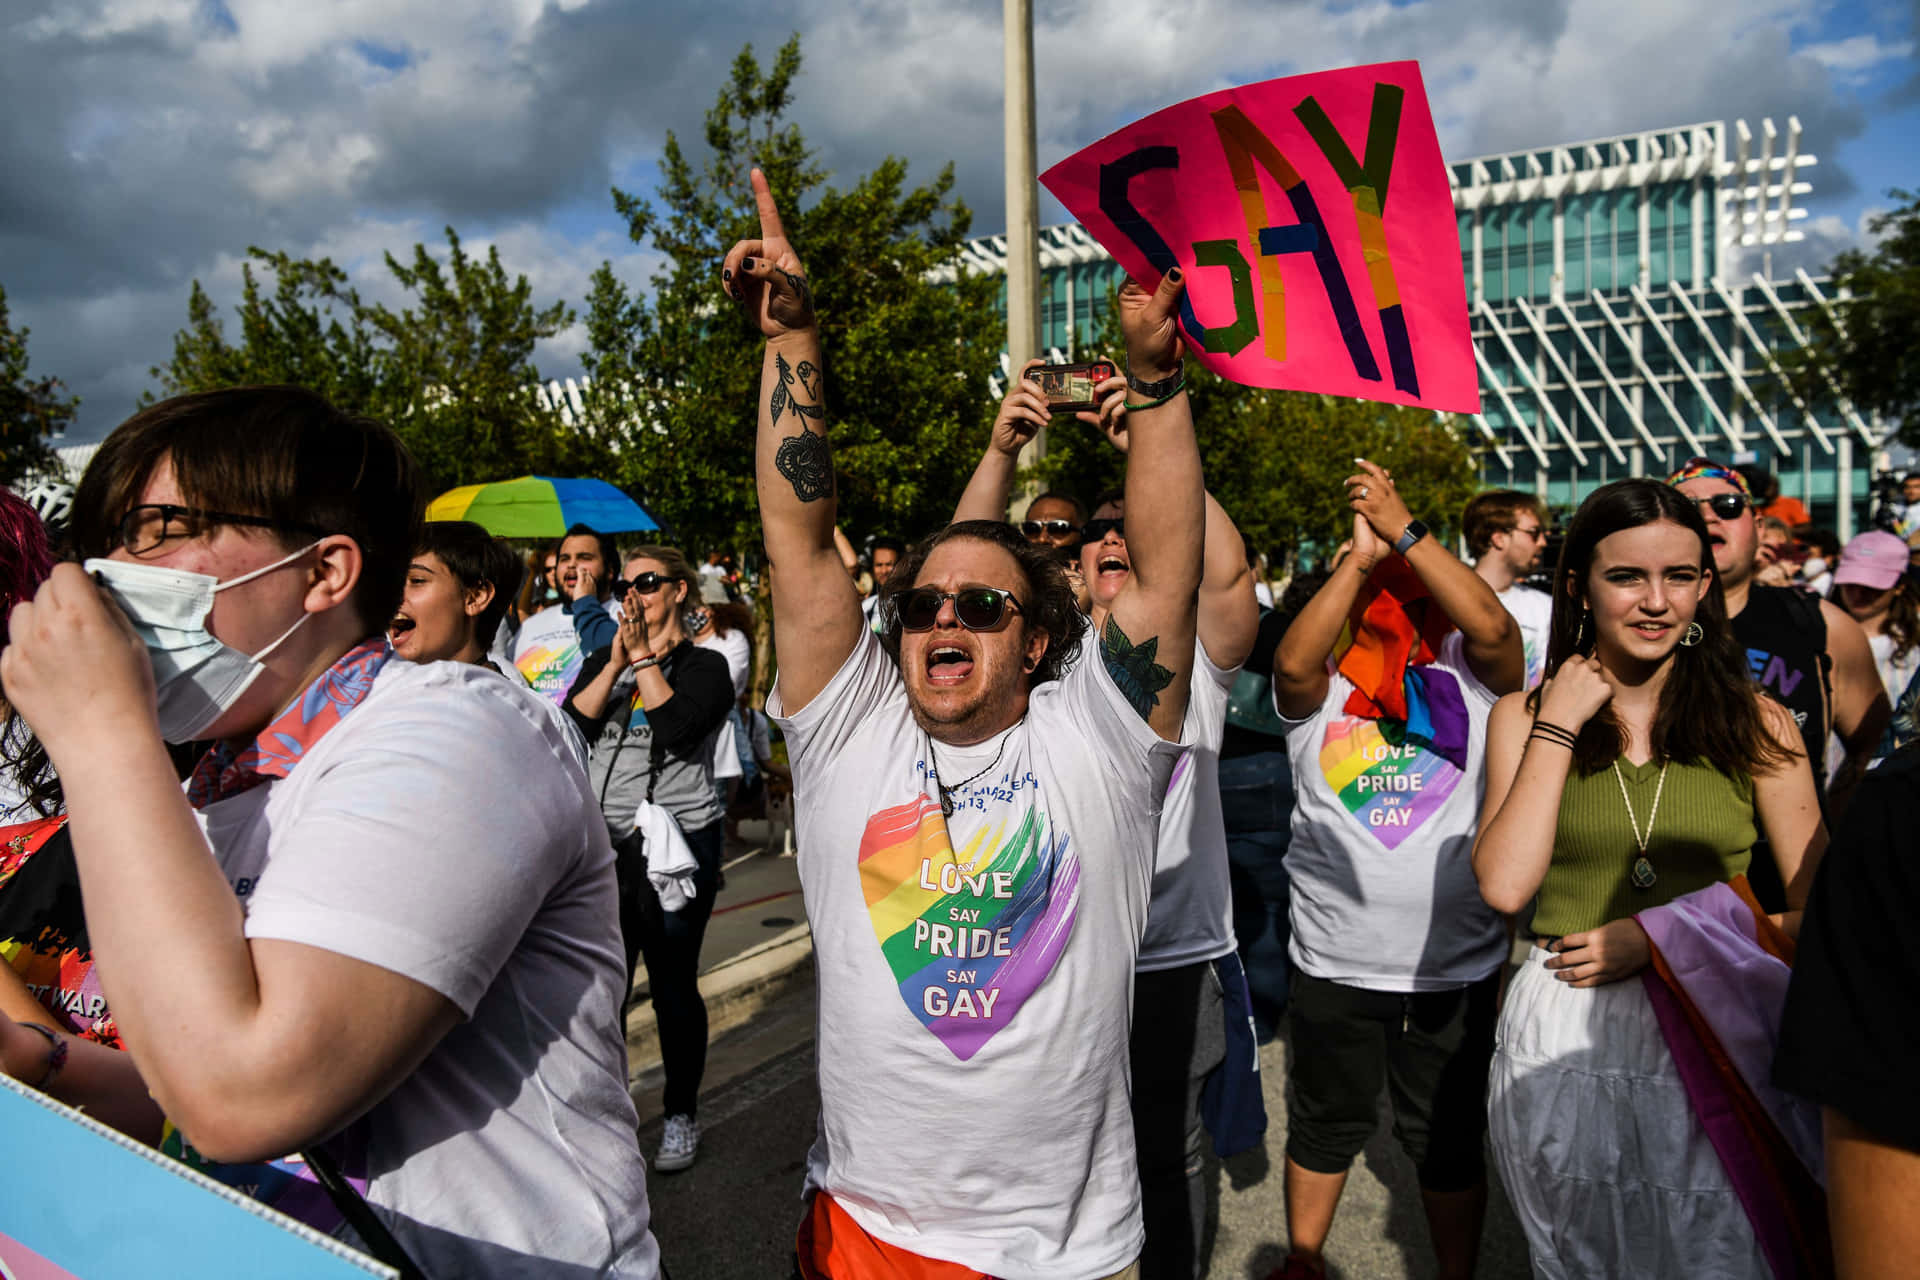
459,585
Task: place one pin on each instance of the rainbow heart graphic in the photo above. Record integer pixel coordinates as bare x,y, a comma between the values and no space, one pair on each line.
969,937
1390,790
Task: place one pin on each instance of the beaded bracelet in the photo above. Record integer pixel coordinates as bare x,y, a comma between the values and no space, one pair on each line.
56,1053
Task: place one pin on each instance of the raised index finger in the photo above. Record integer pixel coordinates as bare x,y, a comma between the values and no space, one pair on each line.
770,224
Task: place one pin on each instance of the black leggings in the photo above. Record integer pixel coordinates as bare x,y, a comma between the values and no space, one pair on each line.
670,943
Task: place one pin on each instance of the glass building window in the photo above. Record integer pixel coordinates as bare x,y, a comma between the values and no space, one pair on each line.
1493,262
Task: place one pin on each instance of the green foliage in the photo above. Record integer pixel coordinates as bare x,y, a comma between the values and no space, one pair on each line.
31,409
453,373
1869,352
676,376
1276,459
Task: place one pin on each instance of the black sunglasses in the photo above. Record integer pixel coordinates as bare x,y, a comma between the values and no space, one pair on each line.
977,608
1095,530
649,582
1724,505
1034,530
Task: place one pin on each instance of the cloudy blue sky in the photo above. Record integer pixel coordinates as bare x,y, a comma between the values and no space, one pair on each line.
147,143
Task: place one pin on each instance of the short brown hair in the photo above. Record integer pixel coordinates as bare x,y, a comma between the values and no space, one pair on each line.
1495,511
284,453
1049,605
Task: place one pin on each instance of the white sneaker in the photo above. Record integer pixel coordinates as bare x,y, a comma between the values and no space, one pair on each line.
679,1143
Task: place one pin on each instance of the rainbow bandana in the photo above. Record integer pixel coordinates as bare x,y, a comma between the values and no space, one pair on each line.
1394,629
1696,468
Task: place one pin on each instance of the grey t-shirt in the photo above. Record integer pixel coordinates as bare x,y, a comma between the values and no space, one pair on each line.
627,743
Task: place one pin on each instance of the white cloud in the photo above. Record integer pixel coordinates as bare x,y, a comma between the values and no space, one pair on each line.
1852,57
164,136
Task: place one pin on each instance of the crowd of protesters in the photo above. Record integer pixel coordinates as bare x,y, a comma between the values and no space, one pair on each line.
1082,818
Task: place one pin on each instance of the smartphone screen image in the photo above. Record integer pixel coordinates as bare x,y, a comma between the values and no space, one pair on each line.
1069,387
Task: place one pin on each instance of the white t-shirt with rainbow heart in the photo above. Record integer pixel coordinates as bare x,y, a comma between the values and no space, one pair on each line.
1381,860
976,972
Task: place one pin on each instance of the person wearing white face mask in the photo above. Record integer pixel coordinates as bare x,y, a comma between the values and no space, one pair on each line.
365,835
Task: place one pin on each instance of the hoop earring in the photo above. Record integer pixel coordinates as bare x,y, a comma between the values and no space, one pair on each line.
1693,635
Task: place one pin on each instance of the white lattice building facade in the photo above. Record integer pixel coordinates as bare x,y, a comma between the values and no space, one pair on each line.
1619,321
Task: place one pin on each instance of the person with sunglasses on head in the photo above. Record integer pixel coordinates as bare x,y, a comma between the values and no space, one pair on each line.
975,801
1384,682
1189,990
284,957
652,705
1804,652
1639,774
1506,533
554,643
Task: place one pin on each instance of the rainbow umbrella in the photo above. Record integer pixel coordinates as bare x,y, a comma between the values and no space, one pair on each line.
541,507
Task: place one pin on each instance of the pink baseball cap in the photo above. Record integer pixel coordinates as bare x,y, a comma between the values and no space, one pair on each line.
1876,560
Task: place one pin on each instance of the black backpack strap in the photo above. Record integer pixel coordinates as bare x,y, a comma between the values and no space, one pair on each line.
360,1216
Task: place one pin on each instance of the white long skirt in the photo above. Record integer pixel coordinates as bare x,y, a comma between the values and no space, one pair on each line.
1608,1169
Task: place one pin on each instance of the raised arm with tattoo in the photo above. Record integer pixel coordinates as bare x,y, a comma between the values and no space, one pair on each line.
1147,639
816,611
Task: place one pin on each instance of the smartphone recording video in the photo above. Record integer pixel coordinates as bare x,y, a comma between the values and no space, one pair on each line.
1069,387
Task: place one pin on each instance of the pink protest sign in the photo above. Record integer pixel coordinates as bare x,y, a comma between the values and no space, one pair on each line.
1312,218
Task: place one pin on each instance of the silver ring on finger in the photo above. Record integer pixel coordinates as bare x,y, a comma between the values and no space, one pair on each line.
1362,491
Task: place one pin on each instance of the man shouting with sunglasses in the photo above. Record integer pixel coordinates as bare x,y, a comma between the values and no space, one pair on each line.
1189,990
1809,655
975,813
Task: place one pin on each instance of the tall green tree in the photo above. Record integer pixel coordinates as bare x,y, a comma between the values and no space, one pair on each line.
676,374
1864,347
31,409
1276,459
452,372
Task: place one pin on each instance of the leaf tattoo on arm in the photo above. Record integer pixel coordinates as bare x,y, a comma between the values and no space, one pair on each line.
1135,673
786,393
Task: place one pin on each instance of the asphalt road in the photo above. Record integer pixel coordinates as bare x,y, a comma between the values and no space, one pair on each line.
732,1215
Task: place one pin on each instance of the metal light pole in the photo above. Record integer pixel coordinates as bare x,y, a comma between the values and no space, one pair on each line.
1023,201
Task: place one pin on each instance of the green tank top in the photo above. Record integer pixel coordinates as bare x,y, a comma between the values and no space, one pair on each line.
1703,834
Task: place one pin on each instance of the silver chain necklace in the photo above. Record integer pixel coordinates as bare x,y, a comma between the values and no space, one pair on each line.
1643,876
946,792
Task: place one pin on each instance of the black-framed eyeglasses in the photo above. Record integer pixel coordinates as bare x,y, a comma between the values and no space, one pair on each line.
1034,530
146,527
1095,530
976,608
649,582
1534,531
1725,506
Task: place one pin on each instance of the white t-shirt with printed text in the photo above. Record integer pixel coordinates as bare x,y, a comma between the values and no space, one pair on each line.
1533,610
547,650
445,831
976,973
1381,859
1191,916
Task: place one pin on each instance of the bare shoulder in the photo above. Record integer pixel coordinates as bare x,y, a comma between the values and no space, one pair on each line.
1780,724
1840,624
1511,708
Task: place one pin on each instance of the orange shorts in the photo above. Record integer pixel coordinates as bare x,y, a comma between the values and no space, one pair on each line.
832,1246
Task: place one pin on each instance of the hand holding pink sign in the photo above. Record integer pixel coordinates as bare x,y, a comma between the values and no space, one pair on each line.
1310,264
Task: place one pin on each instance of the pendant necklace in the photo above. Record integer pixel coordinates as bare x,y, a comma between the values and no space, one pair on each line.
946,792
1643,876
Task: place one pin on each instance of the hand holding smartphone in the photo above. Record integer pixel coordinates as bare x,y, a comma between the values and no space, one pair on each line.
1069,387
